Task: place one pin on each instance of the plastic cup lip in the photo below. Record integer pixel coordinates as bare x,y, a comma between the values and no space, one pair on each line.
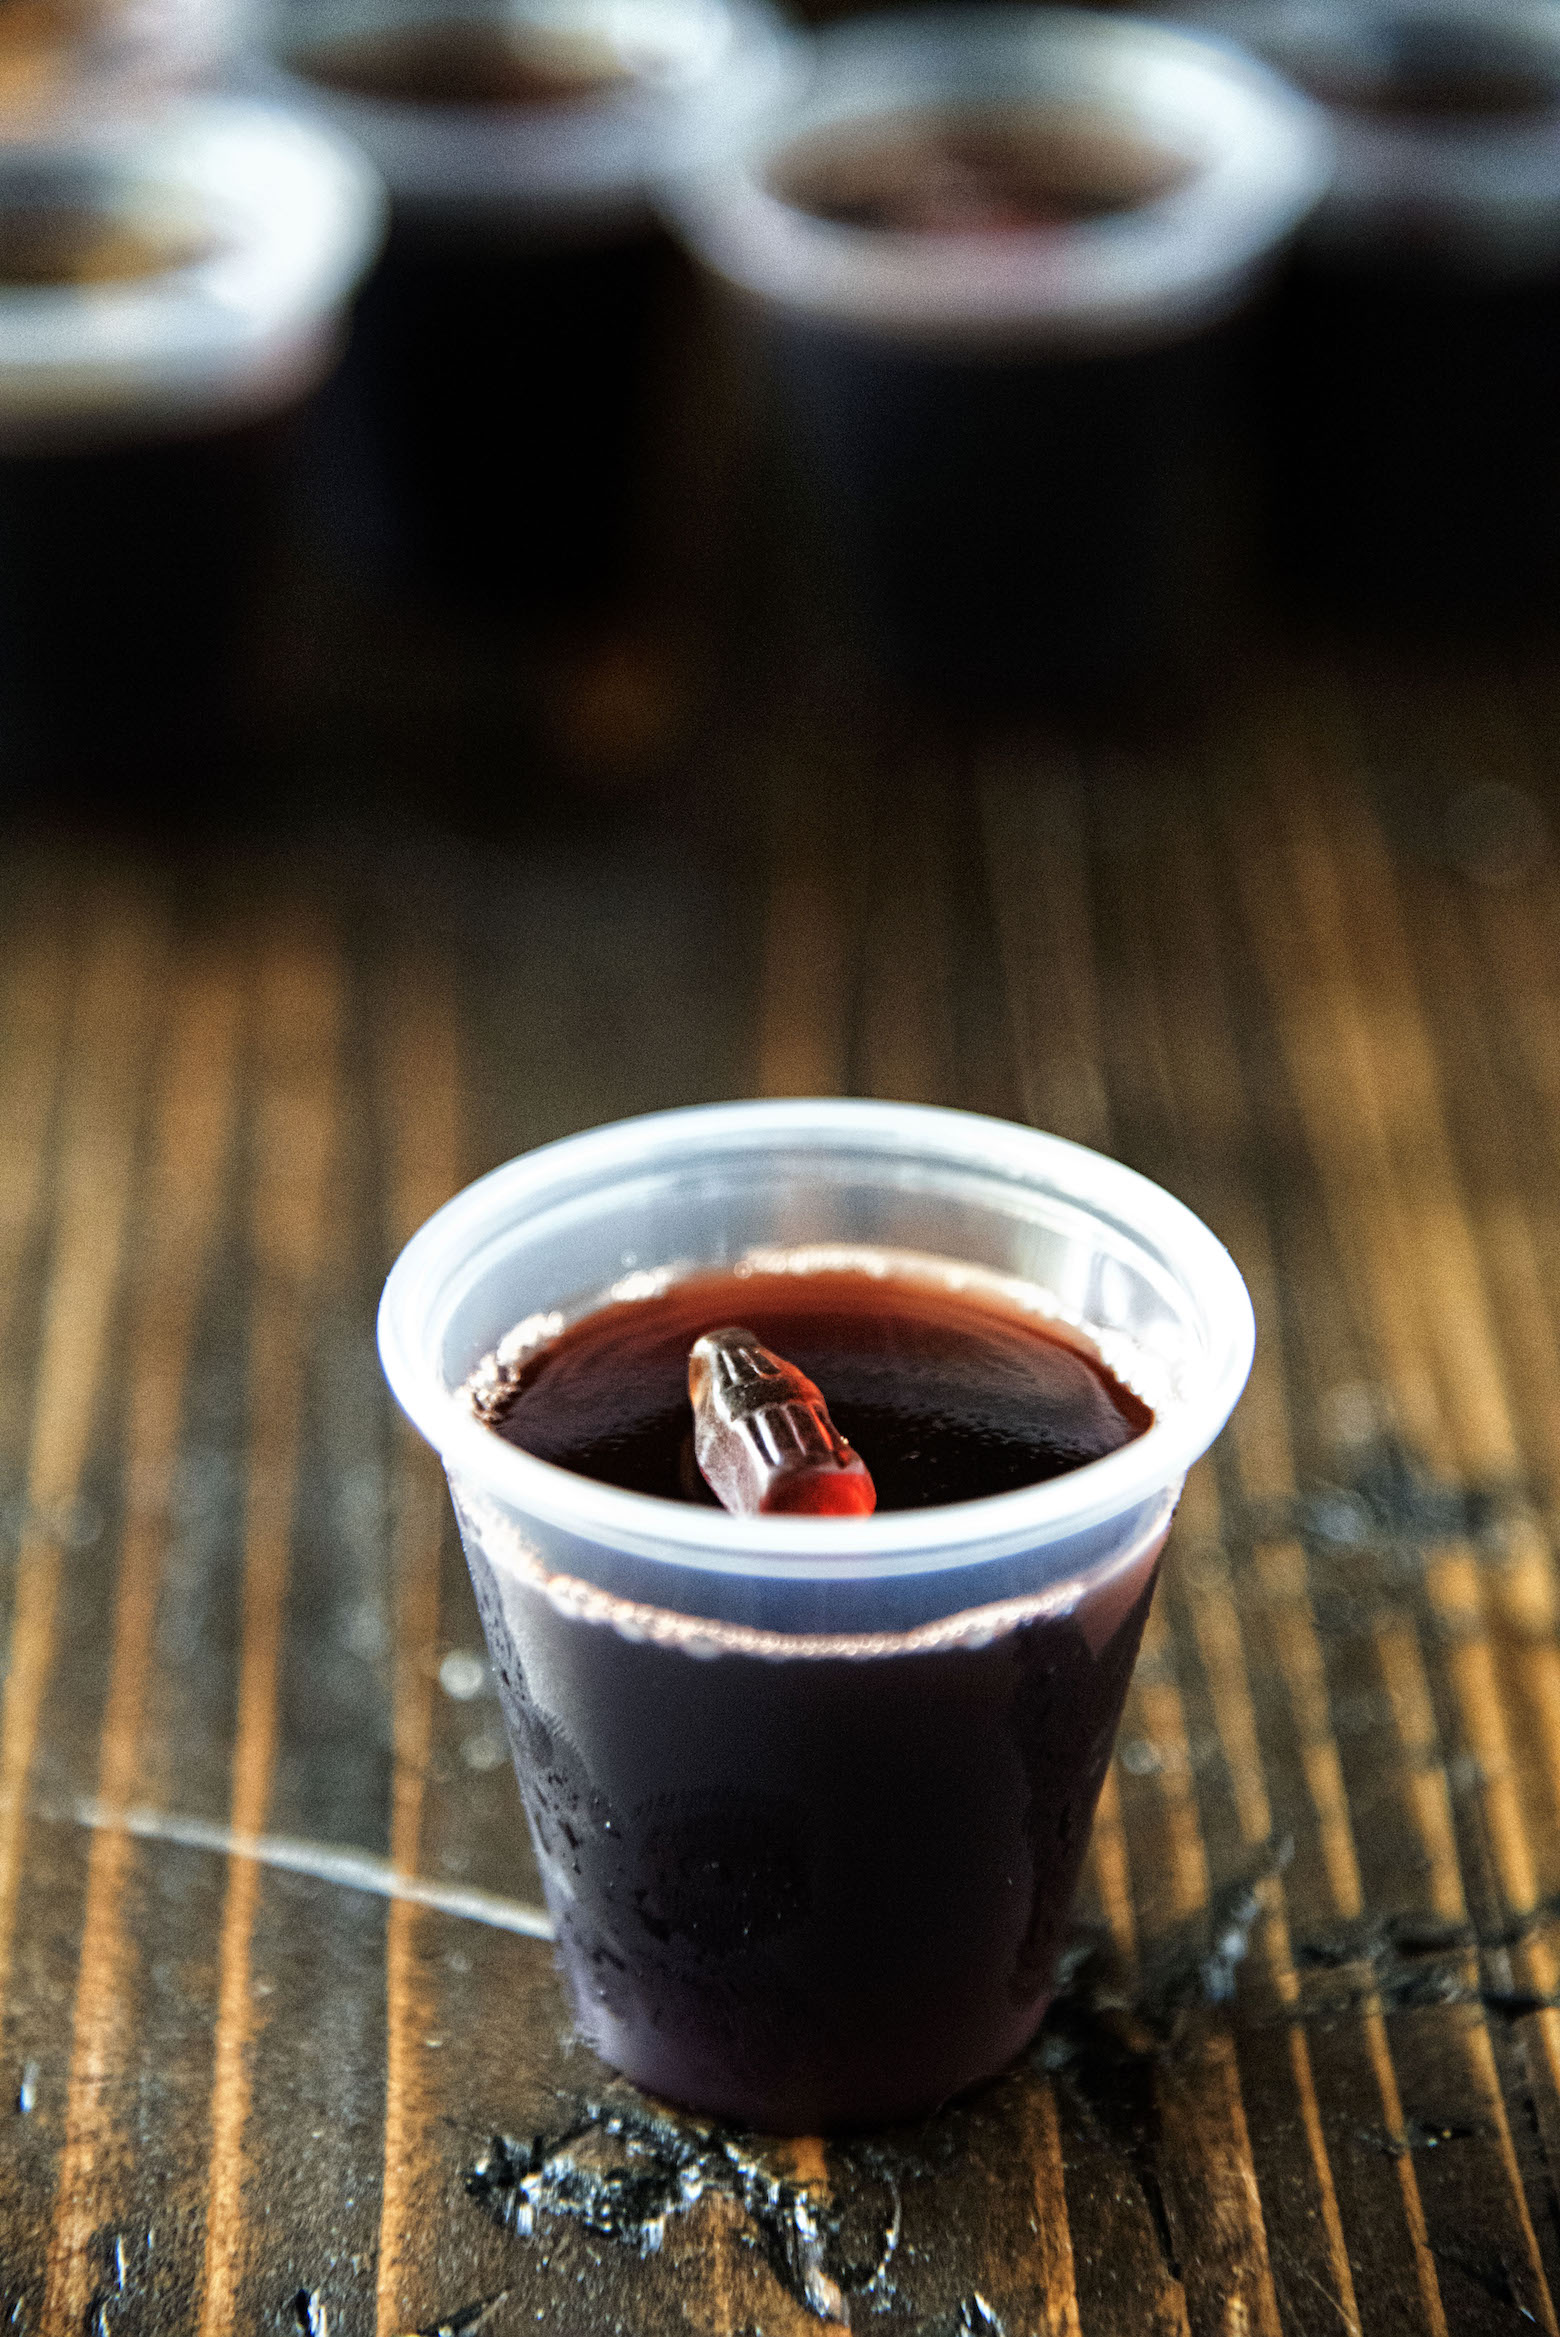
295,216
1259,153
118,60
587,166
1486,183
445,1259
670,42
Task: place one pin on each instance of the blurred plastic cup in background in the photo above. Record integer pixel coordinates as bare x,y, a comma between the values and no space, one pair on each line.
495,419
810,1796
67,64
170,291
1410,380
991,251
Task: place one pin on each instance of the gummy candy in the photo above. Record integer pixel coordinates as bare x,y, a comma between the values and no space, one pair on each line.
762,1435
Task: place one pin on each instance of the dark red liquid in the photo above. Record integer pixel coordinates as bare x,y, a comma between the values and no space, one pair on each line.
469,64
1438,74
809,1893
812,1885
945,1399
976,173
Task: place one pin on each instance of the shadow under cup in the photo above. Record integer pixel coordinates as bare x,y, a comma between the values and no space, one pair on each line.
809,1797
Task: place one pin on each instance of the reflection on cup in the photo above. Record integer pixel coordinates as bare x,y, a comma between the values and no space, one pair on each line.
809,1795
1410,374
991,252
493,422
169,295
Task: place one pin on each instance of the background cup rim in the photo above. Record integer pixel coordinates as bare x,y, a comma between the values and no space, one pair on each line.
1481,187
574,171
1165,267
296,217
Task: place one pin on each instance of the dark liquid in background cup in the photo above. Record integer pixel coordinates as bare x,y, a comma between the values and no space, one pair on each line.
44,245
985,173
129,561
488,434
1014,523
1438,72
1409,383
466,65
802,1886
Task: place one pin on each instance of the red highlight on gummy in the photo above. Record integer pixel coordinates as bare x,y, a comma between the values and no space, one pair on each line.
762,1435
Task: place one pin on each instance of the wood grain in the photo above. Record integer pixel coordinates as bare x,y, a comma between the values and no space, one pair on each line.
1306,971
420,1114
194,1113
92,1207
298,991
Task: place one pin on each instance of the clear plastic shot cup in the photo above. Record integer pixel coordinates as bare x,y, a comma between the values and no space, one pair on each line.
555,119
172,290
66,63
509,375
1445,118
809,1796
1409,381
992,256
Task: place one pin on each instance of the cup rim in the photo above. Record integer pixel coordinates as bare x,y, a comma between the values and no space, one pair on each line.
584,168
1171,264
420,1291
122,62
242,327
1286,33
1484,184
696,32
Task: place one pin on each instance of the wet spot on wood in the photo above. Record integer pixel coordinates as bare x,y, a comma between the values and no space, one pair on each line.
625,2169
466,2320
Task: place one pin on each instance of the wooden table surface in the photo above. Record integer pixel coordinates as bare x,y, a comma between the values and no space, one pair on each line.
283,2046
